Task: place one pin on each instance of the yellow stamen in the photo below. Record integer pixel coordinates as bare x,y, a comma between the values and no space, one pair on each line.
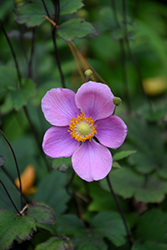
82,128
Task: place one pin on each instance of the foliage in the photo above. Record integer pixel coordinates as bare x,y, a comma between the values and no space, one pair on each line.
50,44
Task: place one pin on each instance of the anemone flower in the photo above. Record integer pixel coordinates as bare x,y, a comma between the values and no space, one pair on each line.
83,127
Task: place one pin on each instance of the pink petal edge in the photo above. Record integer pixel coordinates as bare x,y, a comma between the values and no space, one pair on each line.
92,161
57,142
95,99
111,131
58,106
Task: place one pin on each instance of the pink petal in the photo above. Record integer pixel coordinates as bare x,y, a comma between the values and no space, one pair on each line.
95,99
111,131
92,161
57,142
58,106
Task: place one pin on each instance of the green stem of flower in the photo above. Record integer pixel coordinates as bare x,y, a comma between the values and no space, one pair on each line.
11,179
119,209
17,167
10,197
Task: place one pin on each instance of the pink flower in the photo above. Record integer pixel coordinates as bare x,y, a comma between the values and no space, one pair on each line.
77,119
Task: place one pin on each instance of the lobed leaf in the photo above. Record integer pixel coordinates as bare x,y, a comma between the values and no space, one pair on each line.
75,28
13,227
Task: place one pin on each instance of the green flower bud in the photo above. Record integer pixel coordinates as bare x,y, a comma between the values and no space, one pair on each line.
117,101
88,72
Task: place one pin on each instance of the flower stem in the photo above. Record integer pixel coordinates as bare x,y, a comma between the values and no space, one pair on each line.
11,179
56,19
119,209
17,167
10,197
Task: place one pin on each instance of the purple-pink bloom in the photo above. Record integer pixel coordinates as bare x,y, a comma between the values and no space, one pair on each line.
77,119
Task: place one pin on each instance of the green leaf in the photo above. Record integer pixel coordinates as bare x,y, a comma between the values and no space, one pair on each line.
55,194
55,243
21,96
8,78
146,139
109,224
128,183
68,7
70,225
148,222
13,227
2,160
30,14
42,213
75,28
123,154
149,246
61,164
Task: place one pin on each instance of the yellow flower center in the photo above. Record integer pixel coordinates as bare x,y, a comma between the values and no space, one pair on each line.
82,128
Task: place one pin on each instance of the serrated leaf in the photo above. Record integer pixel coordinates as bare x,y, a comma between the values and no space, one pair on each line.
30,14
109,224
75,28
128,183
61,164
55,243
2,160
148,222
123,154
21,96
55,194
8,78
70,225
13,227
68,7
42,213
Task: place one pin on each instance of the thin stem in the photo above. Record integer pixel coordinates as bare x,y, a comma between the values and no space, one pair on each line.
53,30
70,182
35,133
115,13
13,53
133,59
17,167
10,197
119,209
124,74
11,179
31,54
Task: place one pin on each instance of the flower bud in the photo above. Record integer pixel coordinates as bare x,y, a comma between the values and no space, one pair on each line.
117,101
88,72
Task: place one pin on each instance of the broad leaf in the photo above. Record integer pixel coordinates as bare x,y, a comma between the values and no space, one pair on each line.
55,194
42,213
109,224
123,154
13,227
55,243
68,7
149,245
30,14
8,78
75,28
21,96
147,224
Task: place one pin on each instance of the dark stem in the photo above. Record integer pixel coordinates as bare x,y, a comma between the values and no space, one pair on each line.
11,179
35,133
133,59
70,182
17,167
57,56
56,19
124,74
119,209
10,198
47,12
13,53
31,54
115,13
